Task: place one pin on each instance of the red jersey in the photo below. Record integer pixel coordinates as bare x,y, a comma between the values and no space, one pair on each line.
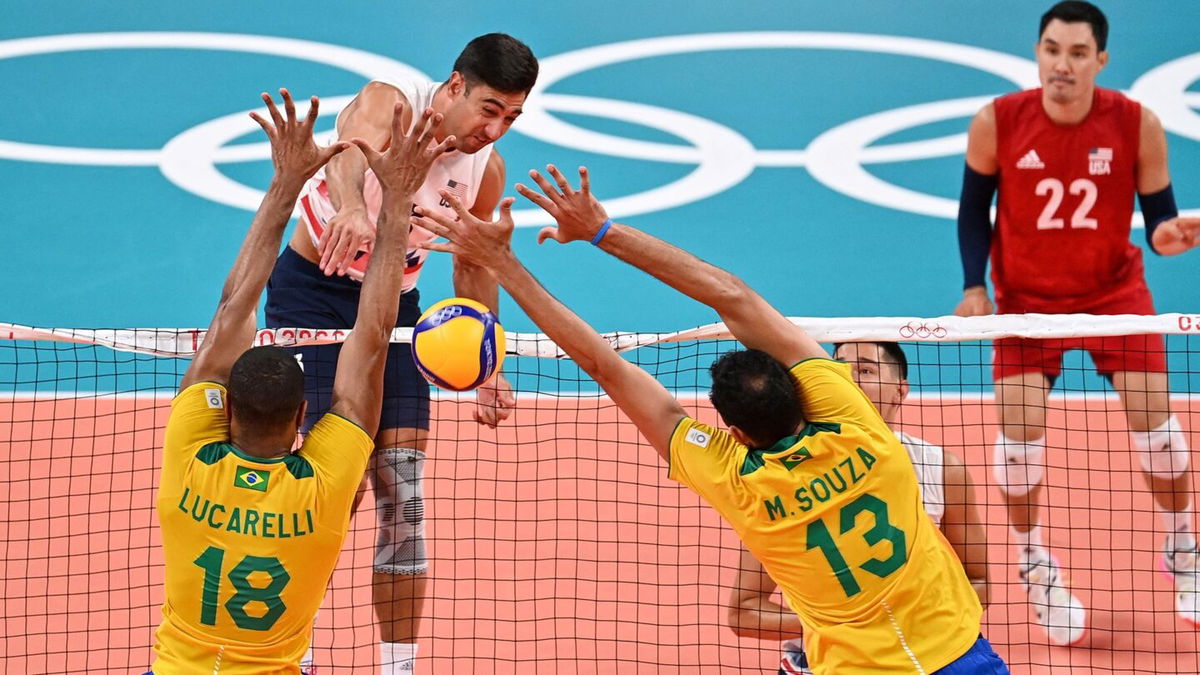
1061,242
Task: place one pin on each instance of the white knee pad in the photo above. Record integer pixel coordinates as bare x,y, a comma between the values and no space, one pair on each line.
1163,451
1020,466
397,476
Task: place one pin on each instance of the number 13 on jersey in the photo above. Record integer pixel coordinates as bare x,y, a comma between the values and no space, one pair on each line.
882,530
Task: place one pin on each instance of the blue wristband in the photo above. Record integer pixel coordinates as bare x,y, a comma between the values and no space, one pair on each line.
603,231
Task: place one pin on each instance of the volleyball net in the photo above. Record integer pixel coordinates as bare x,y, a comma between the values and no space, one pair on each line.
556,542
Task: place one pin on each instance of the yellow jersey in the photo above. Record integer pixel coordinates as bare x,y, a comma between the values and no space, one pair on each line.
834,515
249,543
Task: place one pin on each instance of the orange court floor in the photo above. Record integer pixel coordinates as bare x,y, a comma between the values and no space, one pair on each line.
557,545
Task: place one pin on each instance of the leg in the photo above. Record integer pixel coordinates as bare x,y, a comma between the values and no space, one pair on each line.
398,591
1022,402
1023,369
1147,407
1164,454
397,471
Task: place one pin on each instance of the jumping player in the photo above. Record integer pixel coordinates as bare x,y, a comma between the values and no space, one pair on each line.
881,370
1067,159
251,531
808,475
315,285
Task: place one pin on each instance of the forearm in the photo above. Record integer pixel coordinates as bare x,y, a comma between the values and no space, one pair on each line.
675,267
589,351
344,177
765,620
476,283
975,225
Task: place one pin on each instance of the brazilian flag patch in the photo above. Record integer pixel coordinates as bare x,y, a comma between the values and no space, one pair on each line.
796,458
251,479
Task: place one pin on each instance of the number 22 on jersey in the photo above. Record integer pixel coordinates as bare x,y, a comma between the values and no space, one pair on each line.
1079,219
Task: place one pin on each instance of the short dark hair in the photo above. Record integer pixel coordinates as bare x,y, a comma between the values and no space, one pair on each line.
499,61
756,394
1077,11
266,387
893,351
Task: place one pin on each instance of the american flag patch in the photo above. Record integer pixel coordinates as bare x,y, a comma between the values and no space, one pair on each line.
457,189
1102,154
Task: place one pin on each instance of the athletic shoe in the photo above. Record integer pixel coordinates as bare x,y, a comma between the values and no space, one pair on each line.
1058,611
1183,566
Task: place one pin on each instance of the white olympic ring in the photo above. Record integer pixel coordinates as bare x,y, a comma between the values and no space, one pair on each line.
723,157
922,330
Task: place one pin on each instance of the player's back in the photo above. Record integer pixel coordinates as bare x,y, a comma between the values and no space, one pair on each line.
834,515
1066,200
249,542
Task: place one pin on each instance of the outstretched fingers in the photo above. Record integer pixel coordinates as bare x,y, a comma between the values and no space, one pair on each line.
437,223
276,118
314,105
429,121
537,198
544,184
397,123
289,105
563,184
456,204
367,151
266,126
441,148
329,151
585,183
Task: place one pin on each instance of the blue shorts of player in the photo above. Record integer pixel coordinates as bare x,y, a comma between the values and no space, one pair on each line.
299,295
980,659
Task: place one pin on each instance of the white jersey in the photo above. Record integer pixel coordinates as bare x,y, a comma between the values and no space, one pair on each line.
456,172
929,461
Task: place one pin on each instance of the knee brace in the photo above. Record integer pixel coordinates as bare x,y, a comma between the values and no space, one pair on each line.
1020,466
397,476
1163,451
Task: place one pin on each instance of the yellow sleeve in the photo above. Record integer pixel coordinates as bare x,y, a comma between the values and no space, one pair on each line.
198,416
702,457
338,450
828,394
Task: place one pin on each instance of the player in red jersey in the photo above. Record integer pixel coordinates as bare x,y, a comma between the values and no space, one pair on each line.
1068,158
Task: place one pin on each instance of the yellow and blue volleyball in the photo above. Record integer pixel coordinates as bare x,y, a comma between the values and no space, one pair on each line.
458,344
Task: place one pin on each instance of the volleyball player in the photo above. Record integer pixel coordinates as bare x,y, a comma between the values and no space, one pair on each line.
880,369
1067,159
251,531
808,474
315,284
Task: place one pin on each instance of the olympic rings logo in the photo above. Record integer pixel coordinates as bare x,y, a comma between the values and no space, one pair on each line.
922,330
722,156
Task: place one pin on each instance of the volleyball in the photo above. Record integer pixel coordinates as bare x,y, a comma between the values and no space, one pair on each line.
458,344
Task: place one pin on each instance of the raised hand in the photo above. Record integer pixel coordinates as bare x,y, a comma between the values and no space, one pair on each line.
1176,235
578,214
401,167
475,240
294,153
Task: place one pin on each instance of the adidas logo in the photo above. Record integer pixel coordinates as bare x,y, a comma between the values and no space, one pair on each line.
1030,161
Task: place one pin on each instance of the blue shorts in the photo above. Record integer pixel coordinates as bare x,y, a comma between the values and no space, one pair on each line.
299,295
980,659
